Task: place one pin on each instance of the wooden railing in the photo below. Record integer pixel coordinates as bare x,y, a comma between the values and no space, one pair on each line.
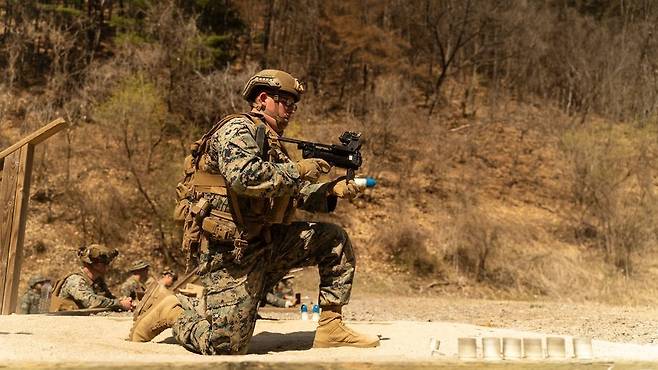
15,174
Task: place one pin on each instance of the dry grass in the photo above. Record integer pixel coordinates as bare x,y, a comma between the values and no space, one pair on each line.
612,190
405,245
486,210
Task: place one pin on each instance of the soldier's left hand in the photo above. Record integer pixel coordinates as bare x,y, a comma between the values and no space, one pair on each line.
346,190
126,303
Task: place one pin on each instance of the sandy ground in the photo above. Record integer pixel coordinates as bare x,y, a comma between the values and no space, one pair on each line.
615,323
637,324
43,340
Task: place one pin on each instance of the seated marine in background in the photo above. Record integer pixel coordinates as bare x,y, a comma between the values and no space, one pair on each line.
135,285
282,294
86,288
168,278
34,301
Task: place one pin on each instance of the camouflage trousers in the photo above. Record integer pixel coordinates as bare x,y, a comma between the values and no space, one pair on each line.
234,290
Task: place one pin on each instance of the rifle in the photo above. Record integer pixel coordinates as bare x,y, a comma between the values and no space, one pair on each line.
346,155
80,312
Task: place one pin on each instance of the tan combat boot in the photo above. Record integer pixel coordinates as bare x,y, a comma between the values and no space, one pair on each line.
157,312
331,332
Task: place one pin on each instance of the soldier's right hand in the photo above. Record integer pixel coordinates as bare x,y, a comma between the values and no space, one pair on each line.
126,303
346,190
312,168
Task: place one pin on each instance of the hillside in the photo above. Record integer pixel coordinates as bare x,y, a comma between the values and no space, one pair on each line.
449,192
513,143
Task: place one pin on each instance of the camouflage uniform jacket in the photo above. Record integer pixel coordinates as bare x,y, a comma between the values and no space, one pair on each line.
260,180
133,288
31,302
88,294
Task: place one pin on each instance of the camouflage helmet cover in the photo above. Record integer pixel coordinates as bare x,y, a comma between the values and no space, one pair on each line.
34,280
97,253
138,265
272,80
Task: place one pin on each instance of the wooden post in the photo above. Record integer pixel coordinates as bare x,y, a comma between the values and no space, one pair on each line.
7,206
15,175
14,256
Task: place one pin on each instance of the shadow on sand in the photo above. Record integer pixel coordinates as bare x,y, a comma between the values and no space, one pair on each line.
169,340
266,342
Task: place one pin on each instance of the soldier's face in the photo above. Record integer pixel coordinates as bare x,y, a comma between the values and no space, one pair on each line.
281,107
167,281
99,268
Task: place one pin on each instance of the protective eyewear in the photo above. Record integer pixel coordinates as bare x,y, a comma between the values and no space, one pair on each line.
287,101
104,259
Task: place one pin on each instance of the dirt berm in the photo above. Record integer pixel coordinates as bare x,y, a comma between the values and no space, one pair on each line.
99,342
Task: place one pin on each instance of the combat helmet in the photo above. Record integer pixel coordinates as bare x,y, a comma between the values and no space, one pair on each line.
34,280
272,80
97,253
138,265
168,271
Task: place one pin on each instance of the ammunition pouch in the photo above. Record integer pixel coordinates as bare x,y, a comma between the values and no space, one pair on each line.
184,191
181,209
200,209
191,234
195,213
220,226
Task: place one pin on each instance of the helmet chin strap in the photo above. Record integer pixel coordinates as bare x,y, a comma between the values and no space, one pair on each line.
280,122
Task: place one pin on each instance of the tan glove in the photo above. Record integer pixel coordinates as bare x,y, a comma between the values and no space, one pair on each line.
310,169
346,190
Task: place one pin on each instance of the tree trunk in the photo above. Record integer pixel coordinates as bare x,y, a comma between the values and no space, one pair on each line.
269,19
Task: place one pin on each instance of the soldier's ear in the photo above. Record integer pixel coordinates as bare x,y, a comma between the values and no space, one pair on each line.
261,97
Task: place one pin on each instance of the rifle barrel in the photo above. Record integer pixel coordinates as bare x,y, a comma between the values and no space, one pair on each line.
289,140
305,144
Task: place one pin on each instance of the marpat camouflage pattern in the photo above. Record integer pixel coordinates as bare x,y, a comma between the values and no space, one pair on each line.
96,295
30,302
235,288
